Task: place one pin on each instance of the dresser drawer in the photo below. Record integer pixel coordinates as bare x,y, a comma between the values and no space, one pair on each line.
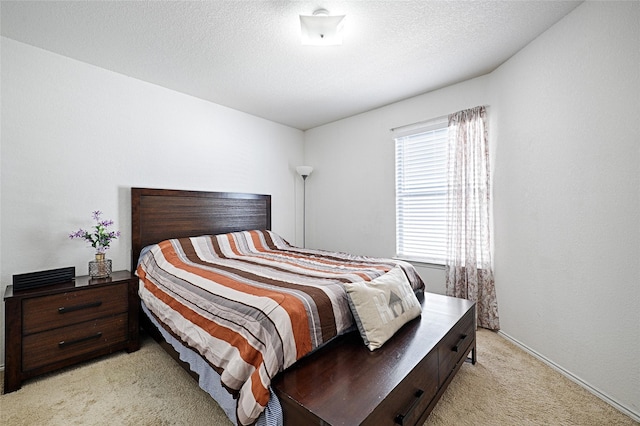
410,399
455,346
51,346
59,310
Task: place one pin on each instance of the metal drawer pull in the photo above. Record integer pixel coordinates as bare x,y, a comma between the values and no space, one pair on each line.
457,346
399,419
83,339
64,309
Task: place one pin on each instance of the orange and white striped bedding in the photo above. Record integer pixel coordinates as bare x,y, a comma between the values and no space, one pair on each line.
251,304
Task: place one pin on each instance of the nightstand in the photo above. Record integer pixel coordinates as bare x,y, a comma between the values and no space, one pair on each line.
55,326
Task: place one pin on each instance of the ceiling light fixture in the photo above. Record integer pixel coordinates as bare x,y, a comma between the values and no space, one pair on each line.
321,29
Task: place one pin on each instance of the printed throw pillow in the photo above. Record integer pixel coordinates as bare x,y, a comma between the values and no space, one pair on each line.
382,306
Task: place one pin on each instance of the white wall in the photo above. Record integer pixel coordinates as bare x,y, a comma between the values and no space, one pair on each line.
567,196
565,142
76,138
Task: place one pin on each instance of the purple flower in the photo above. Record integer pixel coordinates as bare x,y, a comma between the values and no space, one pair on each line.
80,233
99,238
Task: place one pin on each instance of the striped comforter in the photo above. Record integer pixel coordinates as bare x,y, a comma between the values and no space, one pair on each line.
252,304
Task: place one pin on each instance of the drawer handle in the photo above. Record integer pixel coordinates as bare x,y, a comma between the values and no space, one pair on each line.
64,309
399,419
459,344
63,343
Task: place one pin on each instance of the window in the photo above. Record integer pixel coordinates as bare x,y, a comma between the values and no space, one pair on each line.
421,191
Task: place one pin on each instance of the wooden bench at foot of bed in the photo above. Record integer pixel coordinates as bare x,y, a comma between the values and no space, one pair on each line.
399,383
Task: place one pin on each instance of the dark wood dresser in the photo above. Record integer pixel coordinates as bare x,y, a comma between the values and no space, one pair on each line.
399,383
55,326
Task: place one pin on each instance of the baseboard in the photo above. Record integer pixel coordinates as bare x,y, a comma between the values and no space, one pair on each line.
617,405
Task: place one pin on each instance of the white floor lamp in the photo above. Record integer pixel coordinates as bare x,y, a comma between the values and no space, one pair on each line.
304,171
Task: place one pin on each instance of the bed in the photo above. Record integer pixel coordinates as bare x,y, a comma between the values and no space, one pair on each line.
186,240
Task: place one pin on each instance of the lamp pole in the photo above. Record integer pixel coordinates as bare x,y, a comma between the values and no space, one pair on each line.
304,210
304,171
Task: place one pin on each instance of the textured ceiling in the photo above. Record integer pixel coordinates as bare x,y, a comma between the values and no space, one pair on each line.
247,55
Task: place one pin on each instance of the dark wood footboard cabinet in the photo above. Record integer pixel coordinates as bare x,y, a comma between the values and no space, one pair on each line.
51,327
398,384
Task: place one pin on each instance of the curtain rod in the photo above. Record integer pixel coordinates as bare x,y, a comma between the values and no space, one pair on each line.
442,117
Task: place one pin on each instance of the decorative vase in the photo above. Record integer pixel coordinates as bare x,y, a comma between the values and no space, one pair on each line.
100,267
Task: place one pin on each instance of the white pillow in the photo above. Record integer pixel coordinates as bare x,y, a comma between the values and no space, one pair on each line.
382,306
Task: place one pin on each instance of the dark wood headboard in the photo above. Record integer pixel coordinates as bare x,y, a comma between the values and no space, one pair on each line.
160,214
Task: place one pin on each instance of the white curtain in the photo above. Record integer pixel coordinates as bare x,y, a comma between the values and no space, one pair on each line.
469,269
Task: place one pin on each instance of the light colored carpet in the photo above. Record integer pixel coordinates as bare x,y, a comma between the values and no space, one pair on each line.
506,387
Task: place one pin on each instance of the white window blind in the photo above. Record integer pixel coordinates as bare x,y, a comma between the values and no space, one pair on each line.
421,191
